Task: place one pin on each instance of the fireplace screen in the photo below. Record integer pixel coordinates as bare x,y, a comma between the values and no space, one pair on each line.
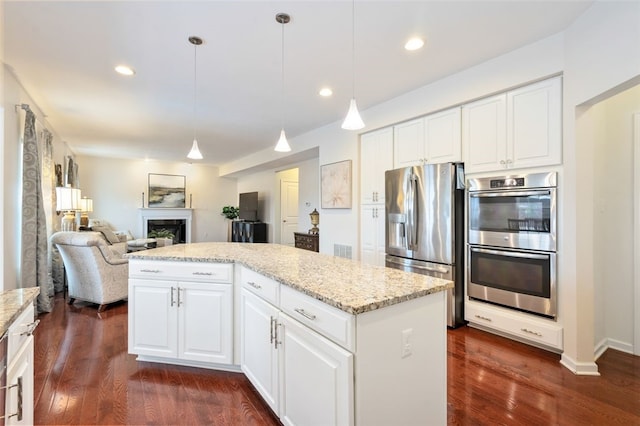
178,227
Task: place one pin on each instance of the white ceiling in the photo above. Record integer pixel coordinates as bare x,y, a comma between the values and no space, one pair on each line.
64,54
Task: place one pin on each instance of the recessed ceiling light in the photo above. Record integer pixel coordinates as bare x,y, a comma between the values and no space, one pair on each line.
414,43
325,92
124,70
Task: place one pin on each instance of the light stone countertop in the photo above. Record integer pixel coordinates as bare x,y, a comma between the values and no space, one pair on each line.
343,283
13,303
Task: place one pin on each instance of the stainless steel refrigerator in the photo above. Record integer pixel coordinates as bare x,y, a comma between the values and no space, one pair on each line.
424,230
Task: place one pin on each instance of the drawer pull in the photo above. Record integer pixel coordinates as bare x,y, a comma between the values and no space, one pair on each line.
203,273
20,396
30,328
271,321
254,285
483,318
305,314
535,333
151,271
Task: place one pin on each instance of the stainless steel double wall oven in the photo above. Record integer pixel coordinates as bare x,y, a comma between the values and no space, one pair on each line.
512,234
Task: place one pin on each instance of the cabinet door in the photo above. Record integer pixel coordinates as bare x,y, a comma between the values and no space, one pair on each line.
204,318
484,134
316,377
408,144
368,234
376,157
153,320
443,136
19,393
534,124
258,355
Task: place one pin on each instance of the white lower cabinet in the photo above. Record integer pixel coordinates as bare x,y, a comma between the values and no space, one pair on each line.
372,227
189,321
316,377
19,392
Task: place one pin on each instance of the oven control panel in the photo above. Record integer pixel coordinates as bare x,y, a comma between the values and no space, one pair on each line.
507,183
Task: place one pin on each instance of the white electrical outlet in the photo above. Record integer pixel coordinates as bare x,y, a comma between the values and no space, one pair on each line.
406,349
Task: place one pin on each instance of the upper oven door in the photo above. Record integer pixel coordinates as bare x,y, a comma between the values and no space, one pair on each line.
522,219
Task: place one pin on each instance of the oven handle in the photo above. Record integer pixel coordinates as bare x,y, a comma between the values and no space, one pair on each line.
523,255
509,193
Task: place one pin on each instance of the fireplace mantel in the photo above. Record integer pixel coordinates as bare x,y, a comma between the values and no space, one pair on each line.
166,213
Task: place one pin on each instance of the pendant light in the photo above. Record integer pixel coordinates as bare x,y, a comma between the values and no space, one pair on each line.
195,153
353,121
282,145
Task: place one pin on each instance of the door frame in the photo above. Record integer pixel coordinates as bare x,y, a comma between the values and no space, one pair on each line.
636,227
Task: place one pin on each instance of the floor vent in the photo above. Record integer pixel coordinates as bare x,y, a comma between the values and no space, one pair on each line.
341,250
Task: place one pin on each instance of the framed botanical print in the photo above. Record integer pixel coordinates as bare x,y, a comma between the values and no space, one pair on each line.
335,184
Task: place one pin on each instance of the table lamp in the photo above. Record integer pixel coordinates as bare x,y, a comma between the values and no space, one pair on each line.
68,202
86,206
315,220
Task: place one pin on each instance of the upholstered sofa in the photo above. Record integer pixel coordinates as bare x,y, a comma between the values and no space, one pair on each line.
96,271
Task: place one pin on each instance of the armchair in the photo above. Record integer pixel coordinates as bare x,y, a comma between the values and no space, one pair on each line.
96,272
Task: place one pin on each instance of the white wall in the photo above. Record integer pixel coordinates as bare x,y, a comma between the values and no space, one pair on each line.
116,187
308,193
613,217
2,180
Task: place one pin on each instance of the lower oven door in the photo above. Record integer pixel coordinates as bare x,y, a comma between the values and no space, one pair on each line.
520,279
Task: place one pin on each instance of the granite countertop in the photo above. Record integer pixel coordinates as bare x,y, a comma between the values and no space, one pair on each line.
343,283
13,303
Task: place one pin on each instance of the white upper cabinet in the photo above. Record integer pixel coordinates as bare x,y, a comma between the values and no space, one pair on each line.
408,143
376,157
433,139
517,129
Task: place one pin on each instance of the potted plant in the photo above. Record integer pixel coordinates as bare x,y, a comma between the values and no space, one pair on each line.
163,237
231,213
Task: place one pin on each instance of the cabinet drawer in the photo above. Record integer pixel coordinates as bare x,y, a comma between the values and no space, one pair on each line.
264,287
20,331
519,325
331,322
190,271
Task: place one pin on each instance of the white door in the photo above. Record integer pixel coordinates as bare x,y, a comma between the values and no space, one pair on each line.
153,320
443,136
316,378
484,134
20,387
288,211
205,322
372,244
258,355
408,143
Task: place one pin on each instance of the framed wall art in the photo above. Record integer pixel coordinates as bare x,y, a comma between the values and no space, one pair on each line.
335,185
166,191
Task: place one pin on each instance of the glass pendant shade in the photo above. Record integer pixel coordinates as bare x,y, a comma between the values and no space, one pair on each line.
353,120
282,145
195,153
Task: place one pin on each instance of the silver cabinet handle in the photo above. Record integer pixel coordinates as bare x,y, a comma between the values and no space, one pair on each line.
275,333
151,271
535,333
30,328
305,313
254,285
172,289
483,318
203,273
20,391
271,321
502,162
179,301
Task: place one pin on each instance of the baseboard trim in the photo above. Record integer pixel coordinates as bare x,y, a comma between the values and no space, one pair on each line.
579,368
606,343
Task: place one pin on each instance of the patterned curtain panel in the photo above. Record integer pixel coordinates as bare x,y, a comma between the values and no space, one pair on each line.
35,270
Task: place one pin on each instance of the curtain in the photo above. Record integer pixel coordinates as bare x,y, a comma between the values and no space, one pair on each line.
35,269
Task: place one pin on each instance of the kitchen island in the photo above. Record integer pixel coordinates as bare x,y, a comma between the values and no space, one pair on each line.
324,340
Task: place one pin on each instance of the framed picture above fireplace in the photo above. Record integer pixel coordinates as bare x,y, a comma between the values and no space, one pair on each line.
166,191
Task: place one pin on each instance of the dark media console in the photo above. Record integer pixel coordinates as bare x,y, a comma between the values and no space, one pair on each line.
248,232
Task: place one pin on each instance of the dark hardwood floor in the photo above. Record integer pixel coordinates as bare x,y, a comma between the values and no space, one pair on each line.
83,375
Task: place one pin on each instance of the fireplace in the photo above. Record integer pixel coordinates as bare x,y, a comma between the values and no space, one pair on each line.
177,221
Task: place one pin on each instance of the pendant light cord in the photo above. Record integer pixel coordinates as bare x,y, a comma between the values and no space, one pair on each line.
195,91
353,49
282,83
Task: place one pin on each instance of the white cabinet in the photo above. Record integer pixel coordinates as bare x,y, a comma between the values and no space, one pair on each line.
181,320
433,139
517,129
316,377
258,352
408,143
372,233
376,157
522,326
304,377
19,392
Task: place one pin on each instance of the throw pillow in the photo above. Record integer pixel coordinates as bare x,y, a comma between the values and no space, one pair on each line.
108,234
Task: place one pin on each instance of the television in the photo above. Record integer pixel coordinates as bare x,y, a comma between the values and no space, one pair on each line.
248,206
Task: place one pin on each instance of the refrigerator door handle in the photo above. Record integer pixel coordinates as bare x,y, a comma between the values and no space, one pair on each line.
413,200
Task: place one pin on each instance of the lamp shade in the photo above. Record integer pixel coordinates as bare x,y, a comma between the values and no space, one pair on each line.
282,145
67,198
86,205
353,120
195,153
